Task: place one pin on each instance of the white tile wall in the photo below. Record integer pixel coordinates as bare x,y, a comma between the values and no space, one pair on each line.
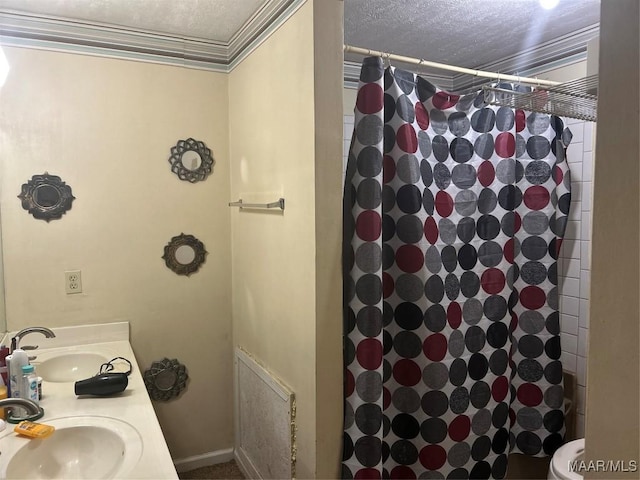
569,285
569,360
584,313
570,306
574,262
568,323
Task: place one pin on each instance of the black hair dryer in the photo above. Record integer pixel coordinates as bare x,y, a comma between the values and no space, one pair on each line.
102,385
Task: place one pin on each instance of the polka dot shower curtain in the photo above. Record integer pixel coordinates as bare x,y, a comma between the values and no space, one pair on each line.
454,212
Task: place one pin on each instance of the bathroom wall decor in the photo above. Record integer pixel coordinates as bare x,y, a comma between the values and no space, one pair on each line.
191,160
165,379
46,197
184,254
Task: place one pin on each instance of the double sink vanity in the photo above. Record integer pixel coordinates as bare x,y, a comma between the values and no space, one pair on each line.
116,436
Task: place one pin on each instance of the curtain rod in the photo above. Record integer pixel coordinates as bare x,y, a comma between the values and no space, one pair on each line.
443,66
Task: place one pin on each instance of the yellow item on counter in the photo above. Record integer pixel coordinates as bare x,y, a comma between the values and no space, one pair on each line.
3,394
33,429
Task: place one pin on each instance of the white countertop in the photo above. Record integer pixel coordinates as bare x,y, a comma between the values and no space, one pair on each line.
132,406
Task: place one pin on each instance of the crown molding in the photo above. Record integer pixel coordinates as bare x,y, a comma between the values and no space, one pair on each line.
21,29
49,33
261,24
245,42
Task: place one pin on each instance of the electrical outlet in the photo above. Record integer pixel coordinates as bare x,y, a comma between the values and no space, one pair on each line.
73,282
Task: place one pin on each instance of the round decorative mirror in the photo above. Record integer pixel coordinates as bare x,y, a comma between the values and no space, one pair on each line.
184,254
165,379
191,160
46,197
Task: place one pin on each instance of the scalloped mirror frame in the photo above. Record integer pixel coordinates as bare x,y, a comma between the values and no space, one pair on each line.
171,258
50,210
162,392
192,175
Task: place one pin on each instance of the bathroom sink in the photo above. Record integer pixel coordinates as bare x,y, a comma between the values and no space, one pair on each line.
70,367
81,447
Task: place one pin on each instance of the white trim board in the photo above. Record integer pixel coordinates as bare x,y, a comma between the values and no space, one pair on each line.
203,460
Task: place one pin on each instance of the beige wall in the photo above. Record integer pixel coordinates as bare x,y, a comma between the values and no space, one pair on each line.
106,127
613,369
328,41
271,131
284,301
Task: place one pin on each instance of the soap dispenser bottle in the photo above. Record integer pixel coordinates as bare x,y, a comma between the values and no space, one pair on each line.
19,358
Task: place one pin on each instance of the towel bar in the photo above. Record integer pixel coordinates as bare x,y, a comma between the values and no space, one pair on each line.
278,204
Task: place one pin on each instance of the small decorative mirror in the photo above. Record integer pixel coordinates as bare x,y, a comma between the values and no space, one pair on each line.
46,197
191,160
165,379
184,254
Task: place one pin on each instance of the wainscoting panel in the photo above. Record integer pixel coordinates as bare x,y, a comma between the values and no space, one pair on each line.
264,421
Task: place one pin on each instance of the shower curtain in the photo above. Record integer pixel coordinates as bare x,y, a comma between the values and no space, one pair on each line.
454,212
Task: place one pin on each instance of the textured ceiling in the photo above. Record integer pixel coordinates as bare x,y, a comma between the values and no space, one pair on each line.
466,33
216,20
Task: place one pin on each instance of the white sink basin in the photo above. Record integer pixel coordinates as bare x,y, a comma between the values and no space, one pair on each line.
70,367
83,447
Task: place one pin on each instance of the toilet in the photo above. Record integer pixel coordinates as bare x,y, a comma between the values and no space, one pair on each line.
565,456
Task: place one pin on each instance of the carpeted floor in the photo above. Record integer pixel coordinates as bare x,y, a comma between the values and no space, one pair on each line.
226,471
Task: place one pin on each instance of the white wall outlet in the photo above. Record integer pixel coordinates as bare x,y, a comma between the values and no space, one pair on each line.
73,282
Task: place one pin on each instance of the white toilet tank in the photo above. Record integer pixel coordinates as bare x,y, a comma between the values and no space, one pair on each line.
566,456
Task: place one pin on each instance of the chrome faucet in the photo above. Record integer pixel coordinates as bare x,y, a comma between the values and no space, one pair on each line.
25,331
30,406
